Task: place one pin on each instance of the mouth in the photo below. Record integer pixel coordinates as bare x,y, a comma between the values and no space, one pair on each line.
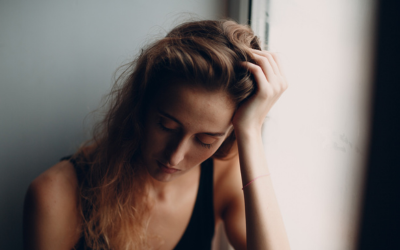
166,169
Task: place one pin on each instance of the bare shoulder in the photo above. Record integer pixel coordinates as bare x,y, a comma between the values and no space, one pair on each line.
51,217
55,187
227,182
60,176
229,200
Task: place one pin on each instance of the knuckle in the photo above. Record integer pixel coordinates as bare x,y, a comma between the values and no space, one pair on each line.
277,89
265,52
257,69
268,54
264,91
264,61
260,59
285,87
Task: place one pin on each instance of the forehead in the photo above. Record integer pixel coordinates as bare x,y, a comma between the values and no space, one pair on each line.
196,107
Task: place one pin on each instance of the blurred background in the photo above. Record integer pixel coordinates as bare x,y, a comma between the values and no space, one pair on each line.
57,60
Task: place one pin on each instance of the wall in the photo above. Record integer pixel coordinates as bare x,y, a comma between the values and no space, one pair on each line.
57,59
56,62
316,135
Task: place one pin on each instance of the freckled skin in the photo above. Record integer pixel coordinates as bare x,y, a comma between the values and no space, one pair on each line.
199,112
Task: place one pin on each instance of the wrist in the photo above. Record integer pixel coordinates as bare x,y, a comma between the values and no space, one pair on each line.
248,137
247,131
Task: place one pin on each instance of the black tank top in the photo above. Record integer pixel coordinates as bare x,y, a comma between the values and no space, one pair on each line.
200,230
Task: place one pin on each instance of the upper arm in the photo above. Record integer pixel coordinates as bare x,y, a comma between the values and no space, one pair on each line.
51,217
235,223
233,209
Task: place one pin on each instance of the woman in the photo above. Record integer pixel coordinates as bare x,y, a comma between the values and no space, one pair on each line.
181,137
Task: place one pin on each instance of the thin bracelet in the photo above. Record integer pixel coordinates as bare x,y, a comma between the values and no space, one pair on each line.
254,180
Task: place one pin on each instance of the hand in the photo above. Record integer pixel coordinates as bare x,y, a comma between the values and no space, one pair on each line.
270,84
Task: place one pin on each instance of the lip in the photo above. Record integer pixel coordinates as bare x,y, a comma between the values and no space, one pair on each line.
166,169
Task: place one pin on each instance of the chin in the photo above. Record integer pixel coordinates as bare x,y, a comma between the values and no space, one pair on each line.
157,173
163,177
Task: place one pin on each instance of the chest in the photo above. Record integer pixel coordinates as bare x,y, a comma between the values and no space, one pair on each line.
169,219
188,220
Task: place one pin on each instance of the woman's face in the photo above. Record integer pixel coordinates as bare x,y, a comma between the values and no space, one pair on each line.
184,127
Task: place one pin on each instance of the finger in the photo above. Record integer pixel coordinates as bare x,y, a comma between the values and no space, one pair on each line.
261,81
265,65
279,63
281,68
277,81
271,60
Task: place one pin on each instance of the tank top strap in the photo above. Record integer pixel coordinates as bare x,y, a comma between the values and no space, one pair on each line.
80,245
200,230
78,170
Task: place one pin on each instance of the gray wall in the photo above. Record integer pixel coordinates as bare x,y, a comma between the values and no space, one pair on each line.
57,59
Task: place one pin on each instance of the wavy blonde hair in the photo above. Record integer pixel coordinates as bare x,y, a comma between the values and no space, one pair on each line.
113,192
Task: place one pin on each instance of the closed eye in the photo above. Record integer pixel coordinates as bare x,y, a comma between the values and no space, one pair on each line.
167,124
203,144
164,128
161,125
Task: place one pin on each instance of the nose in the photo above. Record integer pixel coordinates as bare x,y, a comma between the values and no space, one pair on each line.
175,152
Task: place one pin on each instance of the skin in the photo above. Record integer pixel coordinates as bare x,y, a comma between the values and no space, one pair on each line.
185,126
264,225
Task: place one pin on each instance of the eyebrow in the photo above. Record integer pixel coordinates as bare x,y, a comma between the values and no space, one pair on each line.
177,121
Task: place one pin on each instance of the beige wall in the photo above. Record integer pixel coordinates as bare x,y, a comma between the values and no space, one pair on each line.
316,135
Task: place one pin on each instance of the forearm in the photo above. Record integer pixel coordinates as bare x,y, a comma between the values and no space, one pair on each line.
264,224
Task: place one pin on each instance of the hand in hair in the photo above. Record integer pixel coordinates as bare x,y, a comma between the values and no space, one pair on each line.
264,224
271,83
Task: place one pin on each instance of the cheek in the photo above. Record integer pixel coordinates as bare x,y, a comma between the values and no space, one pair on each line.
199,154
154,141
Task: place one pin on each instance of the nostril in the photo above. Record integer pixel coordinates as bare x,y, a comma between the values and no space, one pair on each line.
175,157
175,150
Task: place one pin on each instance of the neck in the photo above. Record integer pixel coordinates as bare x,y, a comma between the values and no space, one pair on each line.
162,191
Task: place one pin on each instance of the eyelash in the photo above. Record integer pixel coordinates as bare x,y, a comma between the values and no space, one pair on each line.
203,144
197,140
164,128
